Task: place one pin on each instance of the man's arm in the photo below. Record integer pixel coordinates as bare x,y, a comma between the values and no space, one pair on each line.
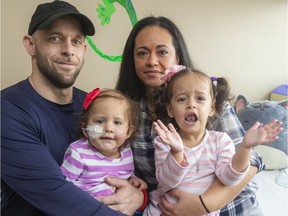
28,168
45,187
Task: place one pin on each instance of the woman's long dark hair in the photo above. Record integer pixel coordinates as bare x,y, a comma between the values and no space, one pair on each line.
128,81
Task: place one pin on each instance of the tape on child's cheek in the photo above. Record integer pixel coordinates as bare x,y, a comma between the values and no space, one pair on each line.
94,131
93,135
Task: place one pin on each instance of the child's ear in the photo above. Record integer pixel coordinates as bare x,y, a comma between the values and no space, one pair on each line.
212,109
84,131
169,111
130,131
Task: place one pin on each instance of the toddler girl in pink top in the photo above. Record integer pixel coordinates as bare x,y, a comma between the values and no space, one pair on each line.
188,156
108,123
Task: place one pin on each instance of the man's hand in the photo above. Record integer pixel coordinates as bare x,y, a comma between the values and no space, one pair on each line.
187,204
138,183
127,198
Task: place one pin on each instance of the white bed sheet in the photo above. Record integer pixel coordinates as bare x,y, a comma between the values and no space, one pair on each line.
273,199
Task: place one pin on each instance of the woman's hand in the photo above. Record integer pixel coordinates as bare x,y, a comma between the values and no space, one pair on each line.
187,205
216,197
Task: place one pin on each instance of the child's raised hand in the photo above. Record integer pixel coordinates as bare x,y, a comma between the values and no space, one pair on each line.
169,136
258,134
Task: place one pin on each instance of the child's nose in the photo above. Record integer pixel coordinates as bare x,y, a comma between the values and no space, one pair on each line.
191,104
108,127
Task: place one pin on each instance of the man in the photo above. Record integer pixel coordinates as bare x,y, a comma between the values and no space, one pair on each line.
39,117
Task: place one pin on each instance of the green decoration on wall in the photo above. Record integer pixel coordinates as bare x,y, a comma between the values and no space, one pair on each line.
105,13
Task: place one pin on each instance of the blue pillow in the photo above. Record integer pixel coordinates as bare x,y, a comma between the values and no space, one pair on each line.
274,154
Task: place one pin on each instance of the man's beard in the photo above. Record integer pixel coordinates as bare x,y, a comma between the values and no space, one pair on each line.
53,75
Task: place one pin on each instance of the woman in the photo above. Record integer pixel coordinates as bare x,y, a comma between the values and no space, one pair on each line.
154,45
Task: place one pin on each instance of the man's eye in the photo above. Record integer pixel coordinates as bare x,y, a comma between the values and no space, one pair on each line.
55,39
78,42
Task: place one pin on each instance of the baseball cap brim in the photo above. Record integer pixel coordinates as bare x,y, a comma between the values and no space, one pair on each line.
88,27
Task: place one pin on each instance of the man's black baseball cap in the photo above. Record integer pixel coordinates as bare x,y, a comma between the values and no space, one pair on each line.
48,12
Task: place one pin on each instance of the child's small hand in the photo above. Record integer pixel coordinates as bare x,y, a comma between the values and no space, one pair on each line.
138,183
169,136
259,134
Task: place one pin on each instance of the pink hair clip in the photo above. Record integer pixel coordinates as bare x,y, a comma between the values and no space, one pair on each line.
171,71
90,97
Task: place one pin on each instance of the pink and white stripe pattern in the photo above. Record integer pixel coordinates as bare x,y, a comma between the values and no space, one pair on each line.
87,168
214,156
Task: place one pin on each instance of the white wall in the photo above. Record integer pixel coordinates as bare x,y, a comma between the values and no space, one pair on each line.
243,40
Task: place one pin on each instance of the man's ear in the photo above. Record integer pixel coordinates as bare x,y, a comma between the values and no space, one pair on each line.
85,48
169,111
29,44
